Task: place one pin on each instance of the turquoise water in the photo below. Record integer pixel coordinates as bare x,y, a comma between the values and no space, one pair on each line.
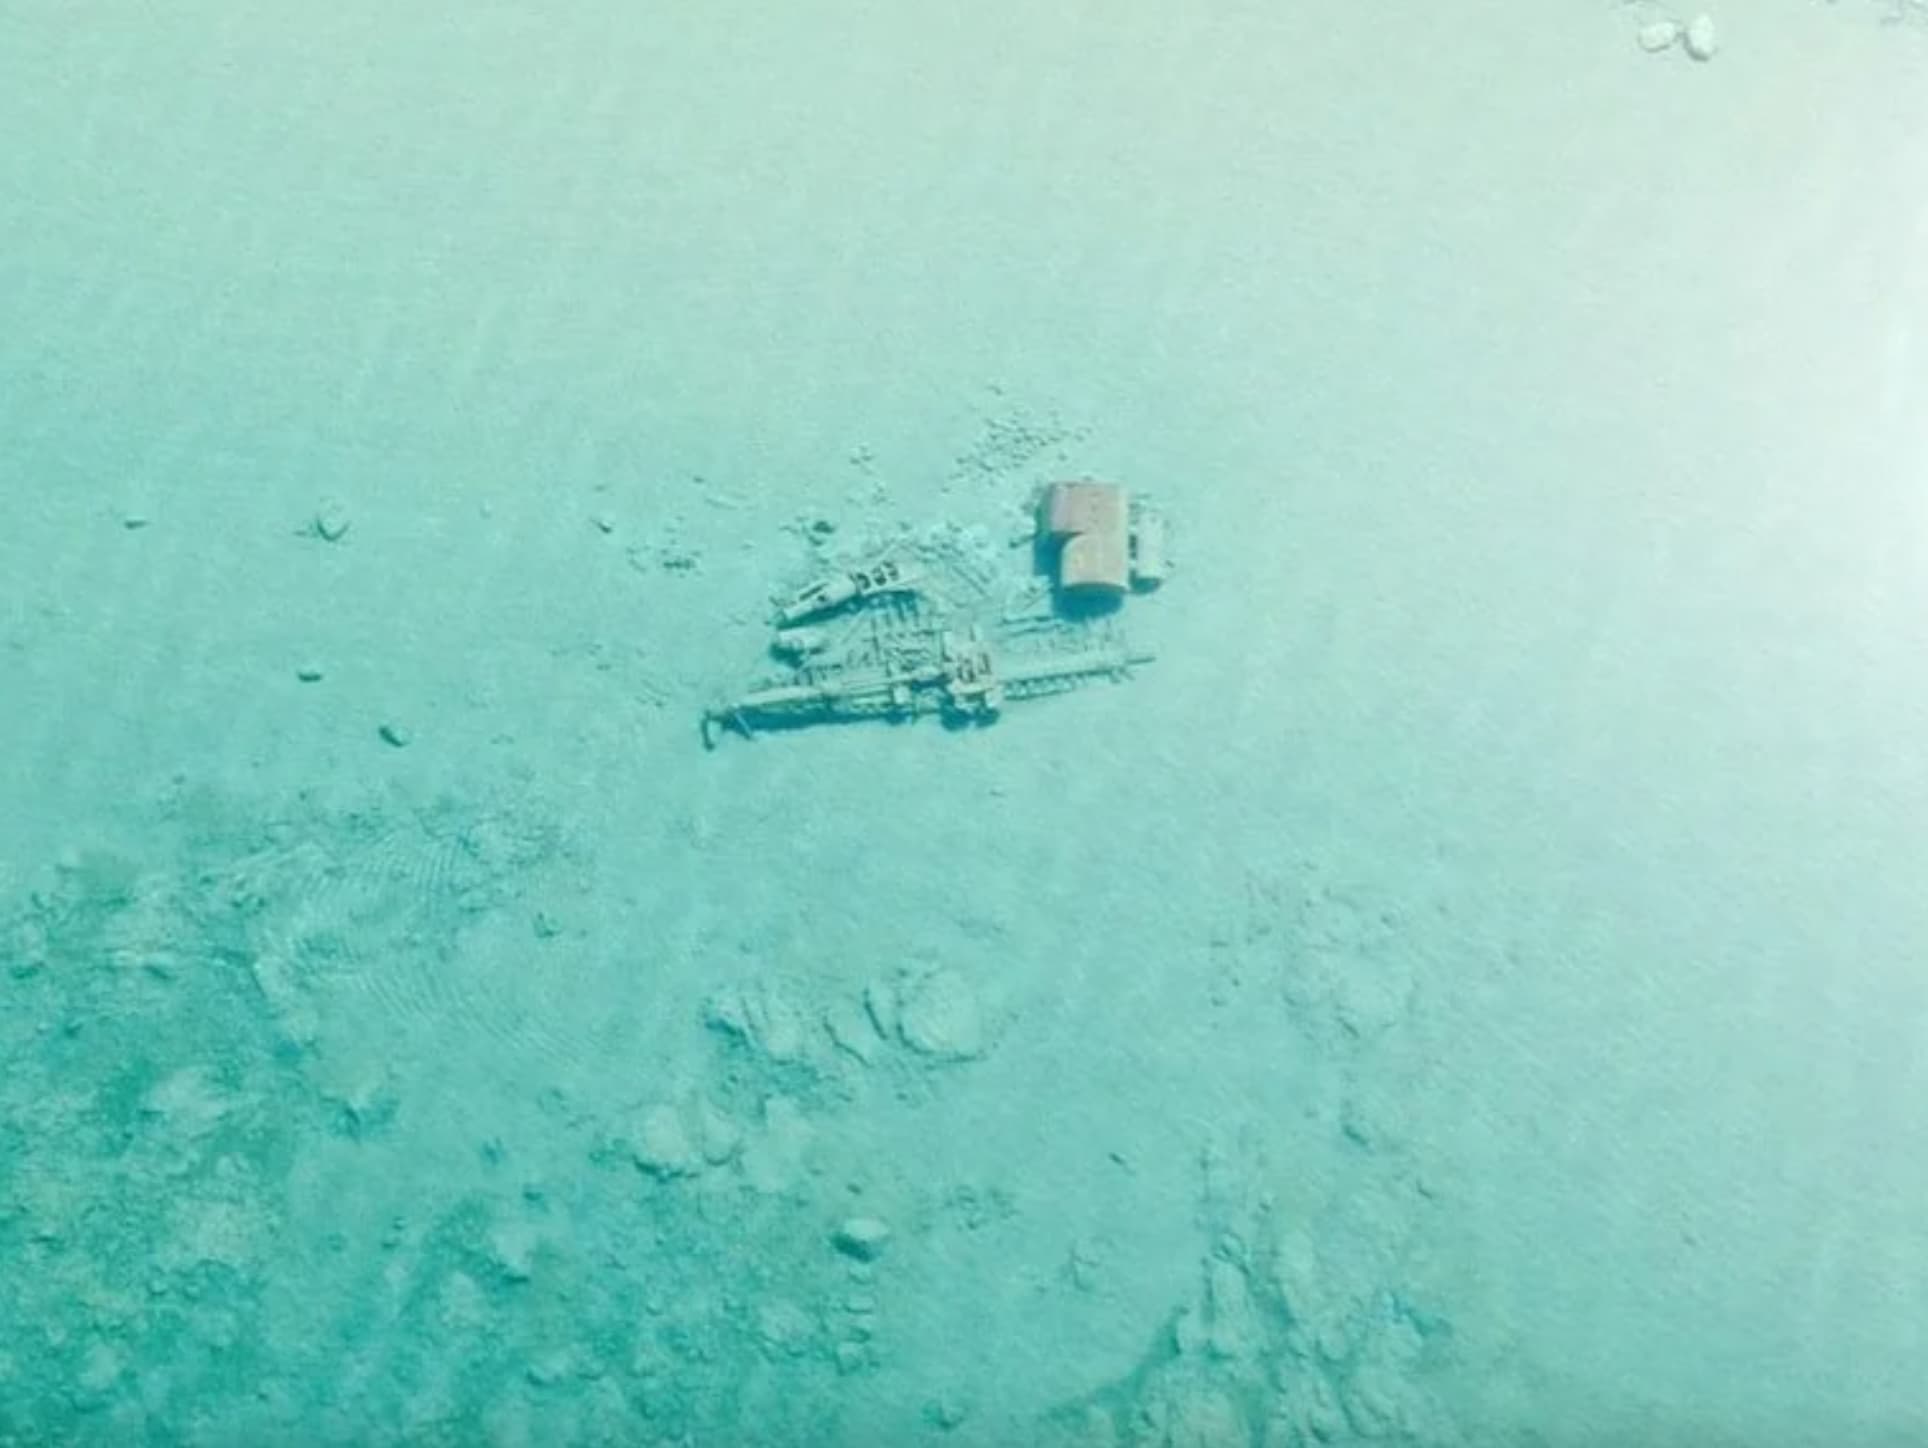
1471,988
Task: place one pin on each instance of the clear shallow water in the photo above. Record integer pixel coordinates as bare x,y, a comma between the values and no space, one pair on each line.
1468,990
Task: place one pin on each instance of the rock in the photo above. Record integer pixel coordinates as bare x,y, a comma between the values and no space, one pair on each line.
762,1019
663,1147
1701,39
512,1249
948,1413
551,1368
785,1327
330,523
718,1137
1659,35
1189,1334
395,736
1321,1411
725,1012
1203,1416
189,1102
940,1017
880,1004
100,1370
851,1030
774,1158
1295,1275
308,674
776,1027
862,1237
363,1096
1234,1329
460,1304
1376,1403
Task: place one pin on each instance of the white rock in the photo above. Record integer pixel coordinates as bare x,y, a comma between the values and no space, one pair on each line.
1204,1415
1234,1329
777,1027
773,1159
760,1017
189,1101
1188,1332
330,523
551,1368
720,1138
785,1326
512,1248
880,1003
1701,39
940,1017
727,1011
851,1029
1659,35
862,1237
100,1369
663,1147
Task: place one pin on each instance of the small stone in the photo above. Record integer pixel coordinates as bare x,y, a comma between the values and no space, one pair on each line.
719,1138
945,1413
775,1026
604,523
1701,39
761,1018
880,1004
940,1018
308,674
395,736
550,1369
774,1157
365,1101
512,1249
728,1012
1659,35
862,1237
663,1147
1234,1329
1188,1333
100,1369
330,522
785,1327
851,1030
134,522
